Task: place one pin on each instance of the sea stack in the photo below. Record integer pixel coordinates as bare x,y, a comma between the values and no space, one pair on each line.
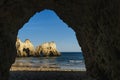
25,48
47,49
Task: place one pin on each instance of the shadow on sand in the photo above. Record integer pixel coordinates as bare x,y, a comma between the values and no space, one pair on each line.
49,75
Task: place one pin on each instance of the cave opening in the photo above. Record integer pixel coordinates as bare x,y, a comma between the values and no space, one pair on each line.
45,27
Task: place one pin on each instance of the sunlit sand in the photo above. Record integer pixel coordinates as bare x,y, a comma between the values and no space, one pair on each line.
41,69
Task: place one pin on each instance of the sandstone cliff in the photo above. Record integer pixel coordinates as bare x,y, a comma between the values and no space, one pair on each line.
47,49
25,48
29,48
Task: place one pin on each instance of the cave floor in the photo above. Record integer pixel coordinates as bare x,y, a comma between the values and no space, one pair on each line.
49,75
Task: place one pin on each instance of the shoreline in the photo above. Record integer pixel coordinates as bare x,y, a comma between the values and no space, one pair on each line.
33,73
27,68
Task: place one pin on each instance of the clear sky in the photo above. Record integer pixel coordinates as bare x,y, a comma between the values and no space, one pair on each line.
46,26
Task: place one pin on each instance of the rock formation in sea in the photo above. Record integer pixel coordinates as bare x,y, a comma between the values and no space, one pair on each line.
25,48
29,48
20,46
96,24
47,49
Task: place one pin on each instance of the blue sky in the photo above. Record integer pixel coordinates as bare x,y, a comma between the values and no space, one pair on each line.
46,26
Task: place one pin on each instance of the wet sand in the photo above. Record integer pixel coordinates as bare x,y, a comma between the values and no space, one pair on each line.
28,68
26,73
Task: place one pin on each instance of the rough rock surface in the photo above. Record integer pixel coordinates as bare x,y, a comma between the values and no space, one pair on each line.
25,48
29,48
96,23
47,49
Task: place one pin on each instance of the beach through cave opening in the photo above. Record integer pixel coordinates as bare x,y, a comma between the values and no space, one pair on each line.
44,27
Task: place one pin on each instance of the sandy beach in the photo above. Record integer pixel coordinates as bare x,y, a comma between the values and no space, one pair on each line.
26,73
64,67
43,68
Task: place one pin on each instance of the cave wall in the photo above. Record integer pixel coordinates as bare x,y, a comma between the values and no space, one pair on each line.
96,23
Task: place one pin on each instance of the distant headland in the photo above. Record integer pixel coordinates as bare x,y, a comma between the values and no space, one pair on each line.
26,49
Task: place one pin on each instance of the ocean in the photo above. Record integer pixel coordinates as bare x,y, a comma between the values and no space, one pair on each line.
67,61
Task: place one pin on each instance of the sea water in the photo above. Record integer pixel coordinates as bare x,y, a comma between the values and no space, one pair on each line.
67,61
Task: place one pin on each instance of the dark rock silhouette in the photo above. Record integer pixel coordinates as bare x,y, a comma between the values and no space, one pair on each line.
95,22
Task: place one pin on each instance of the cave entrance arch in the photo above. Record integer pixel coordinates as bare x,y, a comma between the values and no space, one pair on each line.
90,17
36,35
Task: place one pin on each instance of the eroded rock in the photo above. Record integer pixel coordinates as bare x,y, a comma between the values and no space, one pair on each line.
47,49
25,48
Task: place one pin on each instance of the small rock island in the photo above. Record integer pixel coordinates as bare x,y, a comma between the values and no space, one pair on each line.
26,49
